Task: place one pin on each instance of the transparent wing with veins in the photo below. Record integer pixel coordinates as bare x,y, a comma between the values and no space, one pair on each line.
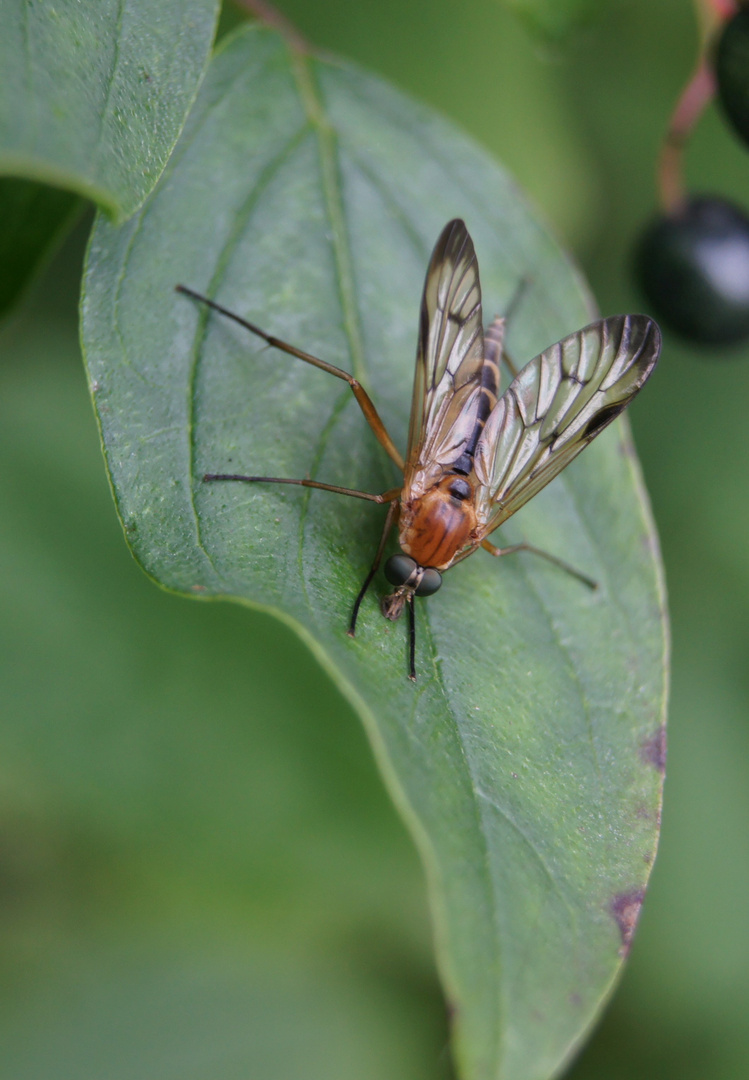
450,356
554,407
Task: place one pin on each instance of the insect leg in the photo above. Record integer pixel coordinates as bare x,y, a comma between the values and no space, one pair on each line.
392,510
386,496
511,367
411,639
363,399
495,333
493,550
516,299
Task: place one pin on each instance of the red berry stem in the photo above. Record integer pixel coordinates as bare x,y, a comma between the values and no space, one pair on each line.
724,9
698,92
266,13
696,95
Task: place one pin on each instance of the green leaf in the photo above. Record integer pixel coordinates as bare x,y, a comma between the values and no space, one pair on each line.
555,19
153,1012
33,219
181,897
94,96
526,759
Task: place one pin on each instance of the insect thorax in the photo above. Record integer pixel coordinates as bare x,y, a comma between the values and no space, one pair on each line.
435,527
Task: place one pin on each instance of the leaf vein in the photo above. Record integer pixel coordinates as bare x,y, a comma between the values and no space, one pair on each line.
322,441
106,107
221,263
572,671
532,847
327,141
496,913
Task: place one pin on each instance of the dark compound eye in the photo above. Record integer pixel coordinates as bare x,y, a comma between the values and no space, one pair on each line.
430,582
399,568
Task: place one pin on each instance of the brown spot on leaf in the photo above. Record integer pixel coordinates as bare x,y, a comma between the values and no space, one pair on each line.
653,750
626,910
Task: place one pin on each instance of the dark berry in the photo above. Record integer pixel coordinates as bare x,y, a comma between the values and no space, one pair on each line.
732,71
693,267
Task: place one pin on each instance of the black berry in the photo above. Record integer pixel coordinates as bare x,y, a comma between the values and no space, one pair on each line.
693,267
732,71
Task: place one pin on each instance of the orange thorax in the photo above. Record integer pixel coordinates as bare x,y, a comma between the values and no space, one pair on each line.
437,525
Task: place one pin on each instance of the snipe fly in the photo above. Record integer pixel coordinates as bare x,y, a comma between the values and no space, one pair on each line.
473,457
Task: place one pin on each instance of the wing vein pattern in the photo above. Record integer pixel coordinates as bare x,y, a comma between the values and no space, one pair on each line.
453,393
555,406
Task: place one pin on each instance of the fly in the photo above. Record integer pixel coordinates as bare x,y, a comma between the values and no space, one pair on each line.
474,457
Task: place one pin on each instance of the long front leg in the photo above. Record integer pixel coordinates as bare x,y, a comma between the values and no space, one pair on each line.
498,551
386,497
362,397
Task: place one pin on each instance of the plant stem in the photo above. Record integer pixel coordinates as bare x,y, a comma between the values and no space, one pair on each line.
271,16
710,13
698,92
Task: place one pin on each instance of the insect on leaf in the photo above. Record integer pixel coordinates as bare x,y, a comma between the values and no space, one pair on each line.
517,759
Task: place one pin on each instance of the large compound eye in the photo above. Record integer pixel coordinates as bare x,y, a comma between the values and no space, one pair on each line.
399,568
430,582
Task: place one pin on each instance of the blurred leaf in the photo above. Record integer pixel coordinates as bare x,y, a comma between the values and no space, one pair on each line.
33,218
94,96
178,888
554,19
156,1013
307,196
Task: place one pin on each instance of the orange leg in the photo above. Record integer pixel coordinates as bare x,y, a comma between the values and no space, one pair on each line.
386,497
498,551
365,402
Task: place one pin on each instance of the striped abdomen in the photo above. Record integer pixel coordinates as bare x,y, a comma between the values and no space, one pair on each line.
488,390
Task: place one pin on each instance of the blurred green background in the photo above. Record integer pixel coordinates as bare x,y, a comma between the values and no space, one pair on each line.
200,873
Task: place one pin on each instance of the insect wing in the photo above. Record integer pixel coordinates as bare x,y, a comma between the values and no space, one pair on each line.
555,406
448,361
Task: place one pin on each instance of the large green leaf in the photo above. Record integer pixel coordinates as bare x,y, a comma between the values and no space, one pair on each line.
181,897
94,95
160,1013
526,759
